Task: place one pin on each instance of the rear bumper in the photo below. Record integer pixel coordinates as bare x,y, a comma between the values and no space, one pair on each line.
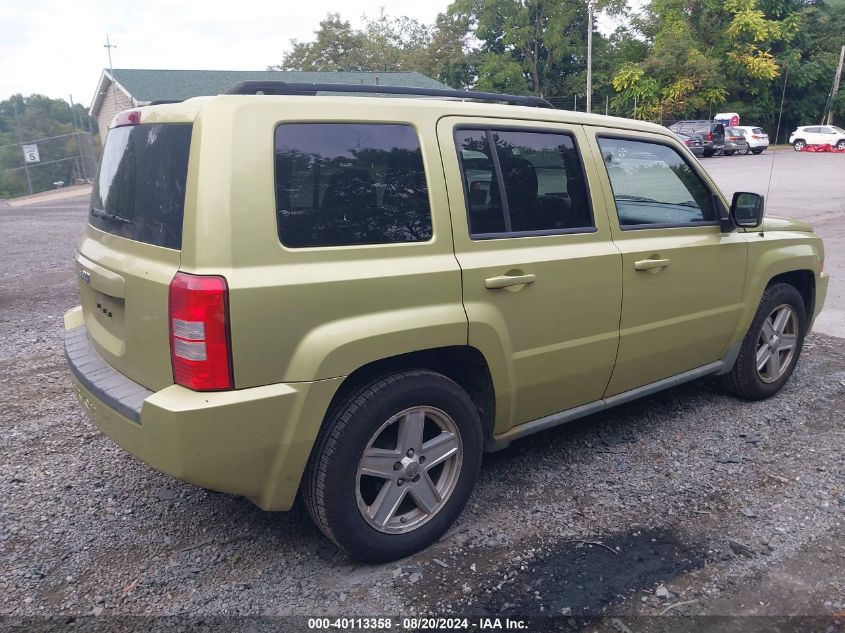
251,442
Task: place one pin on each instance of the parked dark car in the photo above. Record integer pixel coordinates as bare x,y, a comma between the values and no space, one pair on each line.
712,134
695,143
734,142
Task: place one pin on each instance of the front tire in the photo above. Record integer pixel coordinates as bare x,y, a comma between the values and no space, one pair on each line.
840,144
772,346
394,465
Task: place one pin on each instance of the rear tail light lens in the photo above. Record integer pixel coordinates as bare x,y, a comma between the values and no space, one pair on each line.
200,347
709,136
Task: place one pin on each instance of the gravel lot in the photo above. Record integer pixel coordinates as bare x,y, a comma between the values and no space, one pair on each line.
689,499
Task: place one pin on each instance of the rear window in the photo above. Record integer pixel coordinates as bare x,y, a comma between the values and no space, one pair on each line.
139,193
757,130
341,184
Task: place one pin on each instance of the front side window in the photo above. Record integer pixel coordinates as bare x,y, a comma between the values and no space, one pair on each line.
654,185
540,173
340,184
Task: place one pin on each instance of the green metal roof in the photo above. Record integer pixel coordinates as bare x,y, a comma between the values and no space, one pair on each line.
152,85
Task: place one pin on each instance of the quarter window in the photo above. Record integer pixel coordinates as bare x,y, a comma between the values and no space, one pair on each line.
654,185
540,173
343,184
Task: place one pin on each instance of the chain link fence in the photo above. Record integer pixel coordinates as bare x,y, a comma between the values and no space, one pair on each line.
36,165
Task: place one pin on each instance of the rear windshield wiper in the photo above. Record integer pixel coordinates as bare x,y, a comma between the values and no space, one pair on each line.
100,213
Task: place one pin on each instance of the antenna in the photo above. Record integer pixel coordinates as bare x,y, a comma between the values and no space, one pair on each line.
777,132
108,46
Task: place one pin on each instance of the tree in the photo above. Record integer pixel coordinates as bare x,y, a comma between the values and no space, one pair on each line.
39,117
530,46
702,52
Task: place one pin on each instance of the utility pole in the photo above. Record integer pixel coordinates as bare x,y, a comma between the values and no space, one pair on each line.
108,46
82,168
835,90
606,105
590,55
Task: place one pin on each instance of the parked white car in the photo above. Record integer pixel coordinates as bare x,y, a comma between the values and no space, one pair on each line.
757,139
818,135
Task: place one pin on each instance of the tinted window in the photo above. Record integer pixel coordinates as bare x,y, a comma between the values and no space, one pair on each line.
484,201
139,193
757,130
541,173
653,184
341,184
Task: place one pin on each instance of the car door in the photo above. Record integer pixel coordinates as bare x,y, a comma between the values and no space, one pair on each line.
542,279
827,136
682,277
813,135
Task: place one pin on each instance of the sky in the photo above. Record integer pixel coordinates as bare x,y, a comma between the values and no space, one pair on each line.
55,47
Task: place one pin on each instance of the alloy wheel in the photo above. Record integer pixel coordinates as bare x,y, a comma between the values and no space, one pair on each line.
409,469
776,343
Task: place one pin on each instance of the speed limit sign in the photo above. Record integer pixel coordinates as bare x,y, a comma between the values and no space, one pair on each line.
30,153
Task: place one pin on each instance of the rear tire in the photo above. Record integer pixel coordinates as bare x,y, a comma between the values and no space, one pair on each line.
708,153
394,465
774,345
756,151
730,152
799,145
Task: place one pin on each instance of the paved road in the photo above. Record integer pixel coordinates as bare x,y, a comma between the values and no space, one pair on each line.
806,187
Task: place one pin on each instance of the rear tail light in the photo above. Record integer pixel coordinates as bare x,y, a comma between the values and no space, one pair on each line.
709,136
127,117
688,143
200,347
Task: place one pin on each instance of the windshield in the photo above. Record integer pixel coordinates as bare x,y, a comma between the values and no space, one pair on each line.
139,193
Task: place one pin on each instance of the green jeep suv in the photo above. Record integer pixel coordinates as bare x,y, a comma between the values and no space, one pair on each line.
351,298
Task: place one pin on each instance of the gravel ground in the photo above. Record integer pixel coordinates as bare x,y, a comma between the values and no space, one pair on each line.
688,498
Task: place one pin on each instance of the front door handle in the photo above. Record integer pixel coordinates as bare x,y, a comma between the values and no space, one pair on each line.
503,281
651,264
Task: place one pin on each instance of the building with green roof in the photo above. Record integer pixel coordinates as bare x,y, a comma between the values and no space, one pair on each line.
124,88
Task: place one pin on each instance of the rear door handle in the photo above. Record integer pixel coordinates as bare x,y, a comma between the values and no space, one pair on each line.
503,281
651,264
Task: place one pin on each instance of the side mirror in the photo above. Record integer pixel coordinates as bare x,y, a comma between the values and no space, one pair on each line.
747,209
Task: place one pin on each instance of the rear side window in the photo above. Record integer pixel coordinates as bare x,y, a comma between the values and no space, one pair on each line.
340,184
540,173
139,192
653,185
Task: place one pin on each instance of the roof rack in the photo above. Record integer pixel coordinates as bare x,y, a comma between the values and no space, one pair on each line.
274,87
